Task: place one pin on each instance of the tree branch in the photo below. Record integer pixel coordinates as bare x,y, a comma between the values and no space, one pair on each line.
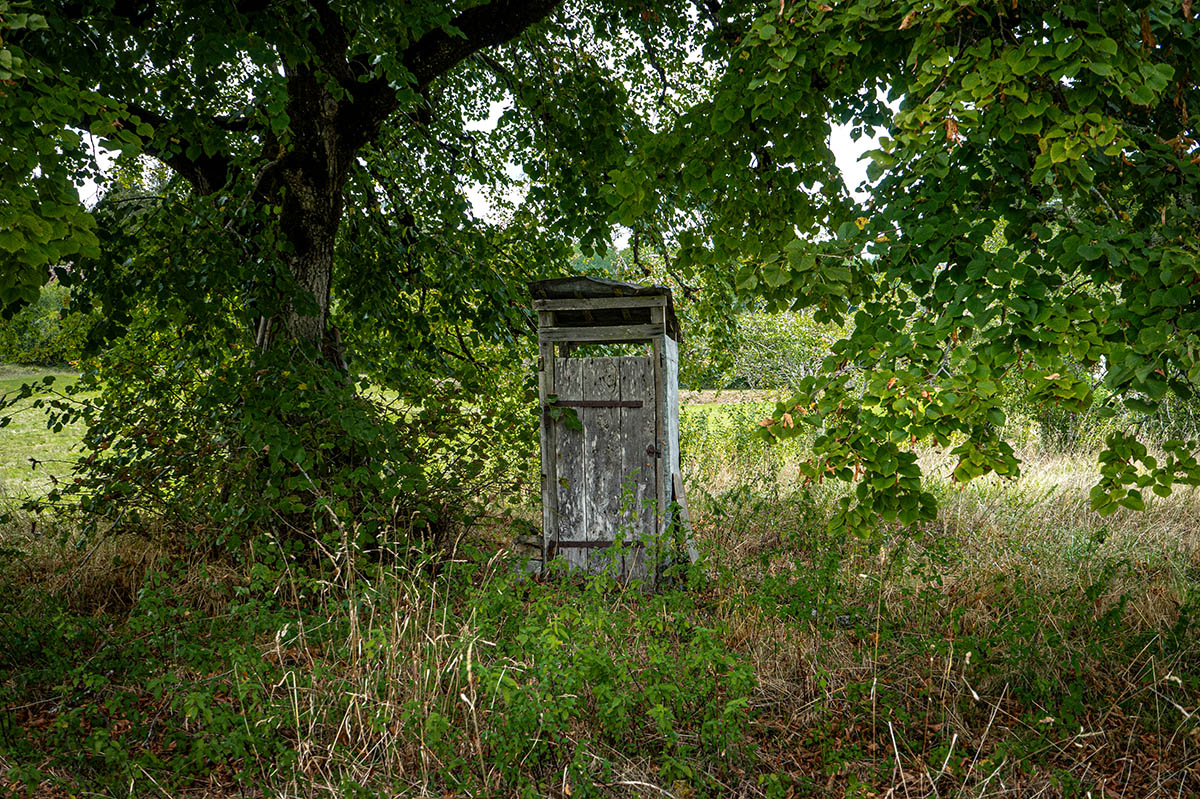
480,27
205,172
439,51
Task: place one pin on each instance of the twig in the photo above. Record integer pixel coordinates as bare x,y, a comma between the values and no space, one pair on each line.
639,784
979,749
945,762
899,765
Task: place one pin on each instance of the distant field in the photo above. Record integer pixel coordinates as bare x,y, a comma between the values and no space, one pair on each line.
29,452
728,396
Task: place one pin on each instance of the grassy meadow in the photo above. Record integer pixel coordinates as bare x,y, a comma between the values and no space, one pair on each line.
1019,646
30,453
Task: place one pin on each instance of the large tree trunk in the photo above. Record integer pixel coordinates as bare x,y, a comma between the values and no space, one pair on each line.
309,222
312,176
313,270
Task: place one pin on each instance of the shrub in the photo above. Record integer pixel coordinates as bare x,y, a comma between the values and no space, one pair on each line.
777,350
226,453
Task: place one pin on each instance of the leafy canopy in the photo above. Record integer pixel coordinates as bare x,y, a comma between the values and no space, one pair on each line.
1068,132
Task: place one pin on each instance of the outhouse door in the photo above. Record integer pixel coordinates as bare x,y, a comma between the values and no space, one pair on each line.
607,472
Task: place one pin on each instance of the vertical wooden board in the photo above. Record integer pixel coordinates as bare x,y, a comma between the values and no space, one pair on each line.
661,475
602,454
671,380
671,410
639,491
546,436
571,484
685,521
669,429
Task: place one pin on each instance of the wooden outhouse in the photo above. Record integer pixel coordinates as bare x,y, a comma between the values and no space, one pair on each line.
609,426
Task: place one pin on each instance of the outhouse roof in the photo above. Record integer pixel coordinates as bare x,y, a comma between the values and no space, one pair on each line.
583,288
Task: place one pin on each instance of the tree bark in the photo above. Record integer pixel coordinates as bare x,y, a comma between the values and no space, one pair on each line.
312,176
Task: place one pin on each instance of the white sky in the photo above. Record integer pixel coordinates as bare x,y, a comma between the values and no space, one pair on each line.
850,159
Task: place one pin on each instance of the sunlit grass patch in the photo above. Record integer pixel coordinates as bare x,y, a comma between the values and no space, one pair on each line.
31,454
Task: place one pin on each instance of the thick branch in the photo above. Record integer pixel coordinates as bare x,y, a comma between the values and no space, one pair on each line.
438,52
205,172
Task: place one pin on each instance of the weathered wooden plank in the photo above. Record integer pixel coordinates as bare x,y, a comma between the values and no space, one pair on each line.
621,403
546,436
615,334
602,452
639,491
671,400
571,485
670,421
685,520
661,473
592,303
582,286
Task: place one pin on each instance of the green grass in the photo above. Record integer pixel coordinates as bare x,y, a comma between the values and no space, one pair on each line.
31,453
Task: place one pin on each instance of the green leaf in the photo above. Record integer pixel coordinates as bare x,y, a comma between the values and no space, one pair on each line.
1140,406
774,275
747,280
1133,500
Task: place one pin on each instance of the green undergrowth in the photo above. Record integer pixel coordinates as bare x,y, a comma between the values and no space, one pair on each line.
1017,645
788,662
468,680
